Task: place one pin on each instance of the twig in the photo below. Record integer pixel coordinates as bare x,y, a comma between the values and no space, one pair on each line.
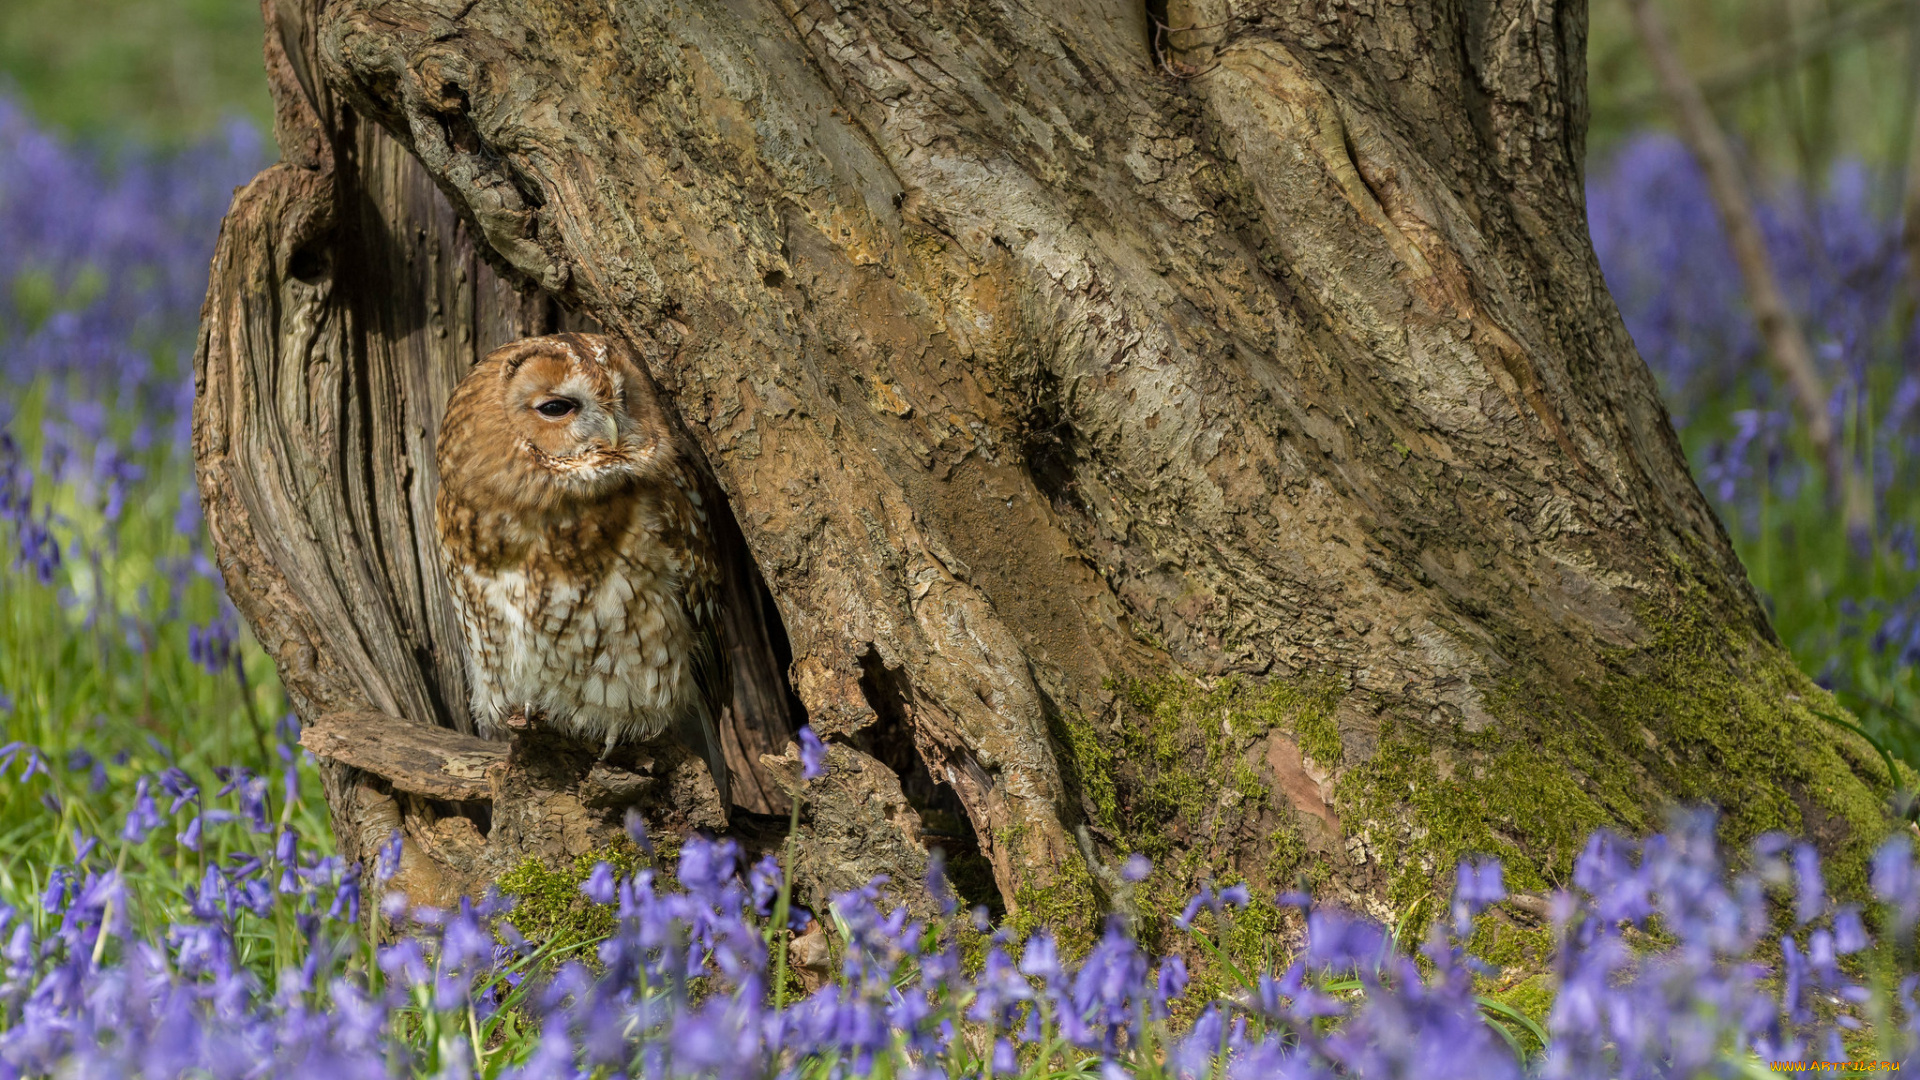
1786,344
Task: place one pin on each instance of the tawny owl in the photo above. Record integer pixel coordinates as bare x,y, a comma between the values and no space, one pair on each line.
579,550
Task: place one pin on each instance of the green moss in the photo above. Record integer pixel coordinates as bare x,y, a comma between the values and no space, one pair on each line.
1510,947
548,905
1066,906
1519,803
1179,747
1699,713
1305,710
1089,768
1532,997
1286,852
1170,777
1715,717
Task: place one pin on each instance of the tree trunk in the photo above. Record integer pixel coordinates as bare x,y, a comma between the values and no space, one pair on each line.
1198,428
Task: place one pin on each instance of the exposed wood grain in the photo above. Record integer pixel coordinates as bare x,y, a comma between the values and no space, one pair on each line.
423,759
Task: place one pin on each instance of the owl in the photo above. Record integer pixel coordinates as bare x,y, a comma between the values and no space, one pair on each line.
579,550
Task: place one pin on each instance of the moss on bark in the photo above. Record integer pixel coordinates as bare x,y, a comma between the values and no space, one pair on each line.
1699,713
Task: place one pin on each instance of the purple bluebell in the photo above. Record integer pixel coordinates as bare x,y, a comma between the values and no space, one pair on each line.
813,755
599,886
1476,886
636,826
386,861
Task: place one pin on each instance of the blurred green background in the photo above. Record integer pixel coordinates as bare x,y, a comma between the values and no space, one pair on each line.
1799,83
158,70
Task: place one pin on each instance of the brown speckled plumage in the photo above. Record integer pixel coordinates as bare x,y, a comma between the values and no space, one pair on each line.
578,548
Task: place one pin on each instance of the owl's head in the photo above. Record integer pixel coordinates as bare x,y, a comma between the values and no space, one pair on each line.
552,419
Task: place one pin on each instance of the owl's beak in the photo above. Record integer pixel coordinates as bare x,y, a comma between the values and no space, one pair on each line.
607,429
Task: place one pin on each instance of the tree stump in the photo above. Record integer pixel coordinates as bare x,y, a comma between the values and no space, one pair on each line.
1193,427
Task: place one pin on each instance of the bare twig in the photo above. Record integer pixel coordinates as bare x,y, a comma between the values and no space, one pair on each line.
1786,344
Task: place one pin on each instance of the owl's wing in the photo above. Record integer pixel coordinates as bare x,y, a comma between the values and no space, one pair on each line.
698,729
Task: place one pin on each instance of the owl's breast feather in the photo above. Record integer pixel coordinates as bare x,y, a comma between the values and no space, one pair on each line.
599,645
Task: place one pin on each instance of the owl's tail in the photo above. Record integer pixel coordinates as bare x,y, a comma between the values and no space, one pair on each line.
698,732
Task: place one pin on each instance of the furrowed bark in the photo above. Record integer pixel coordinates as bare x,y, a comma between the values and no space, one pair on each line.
1224,448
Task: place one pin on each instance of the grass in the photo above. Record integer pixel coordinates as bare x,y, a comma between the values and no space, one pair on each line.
1826,593
97,667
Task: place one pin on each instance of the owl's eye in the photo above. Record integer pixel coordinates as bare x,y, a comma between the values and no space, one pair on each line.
555,408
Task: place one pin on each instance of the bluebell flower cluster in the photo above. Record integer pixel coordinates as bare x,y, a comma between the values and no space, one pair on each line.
1668,266
1667,966
1839,256
103,263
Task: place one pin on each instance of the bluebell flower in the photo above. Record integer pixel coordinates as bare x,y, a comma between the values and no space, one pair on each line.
706,866
813,755
998,990
1849,934
1169,984
1476,886
1810,889
1103,992
1041,960
599,886
53,898
637,830
939,889
1894,882
387,861
764,883
1344,942
143,818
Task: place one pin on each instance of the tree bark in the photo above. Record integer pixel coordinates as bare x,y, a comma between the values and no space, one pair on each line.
1211,438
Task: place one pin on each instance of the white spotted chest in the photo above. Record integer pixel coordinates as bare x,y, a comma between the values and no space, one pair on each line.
606,660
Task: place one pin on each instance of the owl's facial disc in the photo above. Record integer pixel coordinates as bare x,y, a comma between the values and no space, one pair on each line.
572,422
